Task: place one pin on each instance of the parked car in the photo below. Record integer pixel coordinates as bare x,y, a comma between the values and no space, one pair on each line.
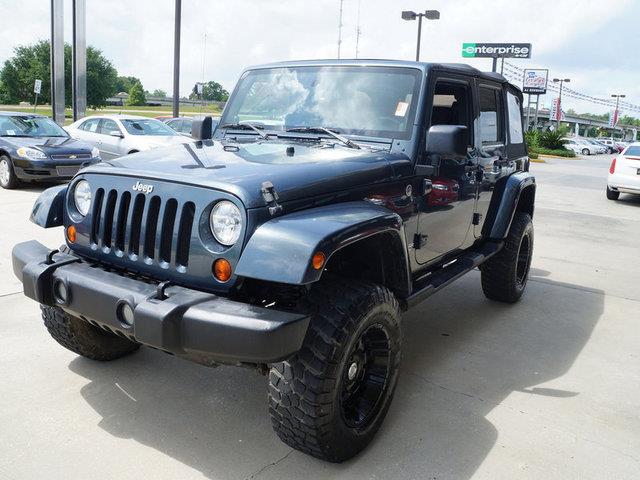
600,148
608,148
580,146
34,148
183,125
272,246
117,135
624,173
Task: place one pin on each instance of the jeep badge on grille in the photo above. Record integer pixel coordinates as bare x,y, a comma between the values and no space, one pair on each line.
141,187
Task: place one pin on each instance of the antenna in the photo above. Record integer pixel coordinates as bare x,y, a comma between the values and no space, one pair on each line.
358,30
340,28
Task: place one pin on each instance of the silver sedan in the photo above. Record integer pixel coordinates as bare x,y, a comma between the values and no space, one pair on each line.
118,135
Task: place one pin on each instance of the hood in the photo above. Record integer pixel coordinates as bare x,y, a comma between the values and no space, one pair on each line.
296,170
155,141
51,145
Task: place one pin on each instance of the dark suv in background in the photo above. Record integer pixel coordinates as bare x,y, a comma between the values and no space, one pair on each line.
333,196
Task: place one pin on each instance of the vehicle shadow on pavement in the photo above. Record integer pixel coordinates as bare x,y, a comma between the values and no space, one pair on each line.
463,356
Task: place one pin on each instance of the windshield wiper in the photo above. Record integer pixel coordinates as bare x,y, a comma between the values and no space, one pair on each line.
331,133
245,126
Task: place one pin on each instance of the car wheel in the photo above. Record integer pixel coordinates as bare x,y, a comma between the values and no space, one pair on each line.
585,151
83,338
330,398
612,194
504,276
8,178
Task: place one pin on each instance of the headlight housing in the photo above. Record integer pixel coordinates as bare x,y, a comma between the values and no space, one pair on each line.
31,153
225,221
82,197
95,153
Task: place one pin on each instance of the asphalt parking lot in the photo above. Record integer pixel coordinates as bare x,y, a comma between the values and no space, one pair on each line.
547,388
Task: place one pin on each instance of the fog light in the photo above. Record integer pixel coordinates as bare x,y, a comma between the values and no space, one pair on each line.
61,292
125,313
222,270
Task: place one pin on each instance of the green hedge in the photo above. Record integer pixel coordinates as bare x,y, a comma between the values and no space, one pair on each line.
556,152
533,155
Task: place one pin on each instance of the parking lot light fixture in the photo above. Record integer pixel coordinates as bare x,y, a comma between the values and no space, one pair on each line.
428,14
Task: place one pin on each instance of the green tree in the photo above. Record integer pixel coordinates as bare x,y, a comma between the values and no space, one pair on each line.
136,95
32,61
159,93
124,84
211,91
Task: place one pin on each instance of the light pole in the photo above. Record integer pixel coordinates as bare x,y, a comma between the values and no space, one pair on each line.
615,112
559,108
429,15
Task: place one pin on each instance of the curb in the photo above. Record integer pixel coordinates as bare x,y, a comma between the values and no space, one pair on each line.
537,160
558,158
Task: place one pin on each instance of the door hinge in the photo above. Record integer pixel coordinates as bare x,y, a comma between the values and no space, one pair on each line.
476,218
419,241
270,197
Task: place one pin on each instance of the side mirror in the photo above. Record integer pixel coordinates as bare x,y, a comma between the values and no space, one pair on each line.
448,139
116,133
201,129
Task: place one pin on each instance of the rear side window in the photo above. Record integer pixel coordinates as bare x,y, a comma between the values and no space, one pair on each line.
633,151
515,118
489,99
90,125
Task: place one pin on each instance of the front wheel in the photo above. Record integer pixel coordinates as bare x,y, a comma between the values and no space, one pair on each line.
8,178
504,276
585,151
330,398
612,194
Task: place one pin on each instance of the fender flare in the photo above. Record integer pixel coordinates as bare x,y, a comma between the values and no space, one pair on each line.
281,249
48,208
505,202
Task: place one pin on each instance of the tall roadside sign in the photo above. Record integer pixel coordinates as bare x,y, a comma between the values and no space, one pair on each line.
534,82
496,51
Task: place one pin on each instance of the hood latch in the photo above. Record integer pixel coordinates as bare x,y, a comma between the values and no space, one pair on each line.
270,197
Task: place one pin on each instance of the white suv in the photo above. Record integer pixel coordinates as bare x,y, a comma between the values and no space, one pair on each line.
624,173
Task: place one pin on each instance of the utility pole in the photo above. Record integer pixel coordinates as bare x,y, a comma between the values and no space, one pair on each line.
358,31
615,112
559,107
340,29
176,59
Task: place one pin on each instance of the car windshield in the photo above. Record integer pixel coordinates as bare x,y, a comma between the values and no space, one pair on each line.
365,101
633,151
29,126
147,126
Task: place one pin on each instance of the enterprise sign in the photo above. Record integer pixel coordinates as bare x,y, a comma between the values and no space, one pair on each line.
496,50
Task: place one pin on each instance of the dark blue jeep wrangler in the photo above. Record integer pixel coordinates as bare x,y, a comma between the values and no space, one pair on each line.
333,196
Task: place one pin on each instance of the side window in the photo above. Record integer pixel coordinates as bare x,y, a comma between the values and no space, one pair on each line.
186,126
90,125
490,128
108,126
515,119
451,104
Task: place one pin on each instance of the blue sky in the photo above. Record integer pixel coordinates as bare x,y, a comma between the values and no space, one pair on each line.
592,42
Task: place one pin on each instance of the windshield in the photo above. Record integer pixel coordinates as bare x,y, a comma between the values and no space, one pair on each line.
25,126
365,101
633,151
147,126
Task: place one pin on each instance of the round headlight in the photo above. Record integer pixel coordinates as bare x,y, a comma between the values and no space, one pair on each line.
226,222
82,197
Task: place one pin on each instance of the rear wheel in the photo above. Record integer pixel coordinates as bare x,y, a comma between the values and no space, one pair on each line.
330,398
612,194
8,178
585,151
83,338
504,276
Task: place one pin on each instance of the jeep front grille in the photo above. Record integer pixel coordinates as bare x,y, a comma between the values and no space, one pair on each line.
143,227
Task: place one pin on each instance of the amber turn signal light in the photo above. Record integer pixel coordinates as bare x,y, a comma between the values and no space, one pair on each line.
318,260
71,233
222,270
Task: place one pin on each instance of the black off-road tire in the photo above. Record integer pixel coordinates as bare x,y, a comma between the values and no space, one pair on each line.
306,402
504,276
13,181
83,338
612,194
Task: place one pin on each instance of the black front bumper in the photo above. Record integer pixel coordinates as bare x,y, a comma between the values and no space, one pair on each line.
187,322
35,170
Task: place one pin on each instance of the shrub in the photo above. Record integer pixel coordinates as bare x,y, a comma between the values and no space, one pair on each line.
551,140
558,152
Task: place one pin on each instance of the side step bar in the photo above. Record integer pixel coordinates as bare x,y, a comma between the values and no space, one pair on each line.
440,278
